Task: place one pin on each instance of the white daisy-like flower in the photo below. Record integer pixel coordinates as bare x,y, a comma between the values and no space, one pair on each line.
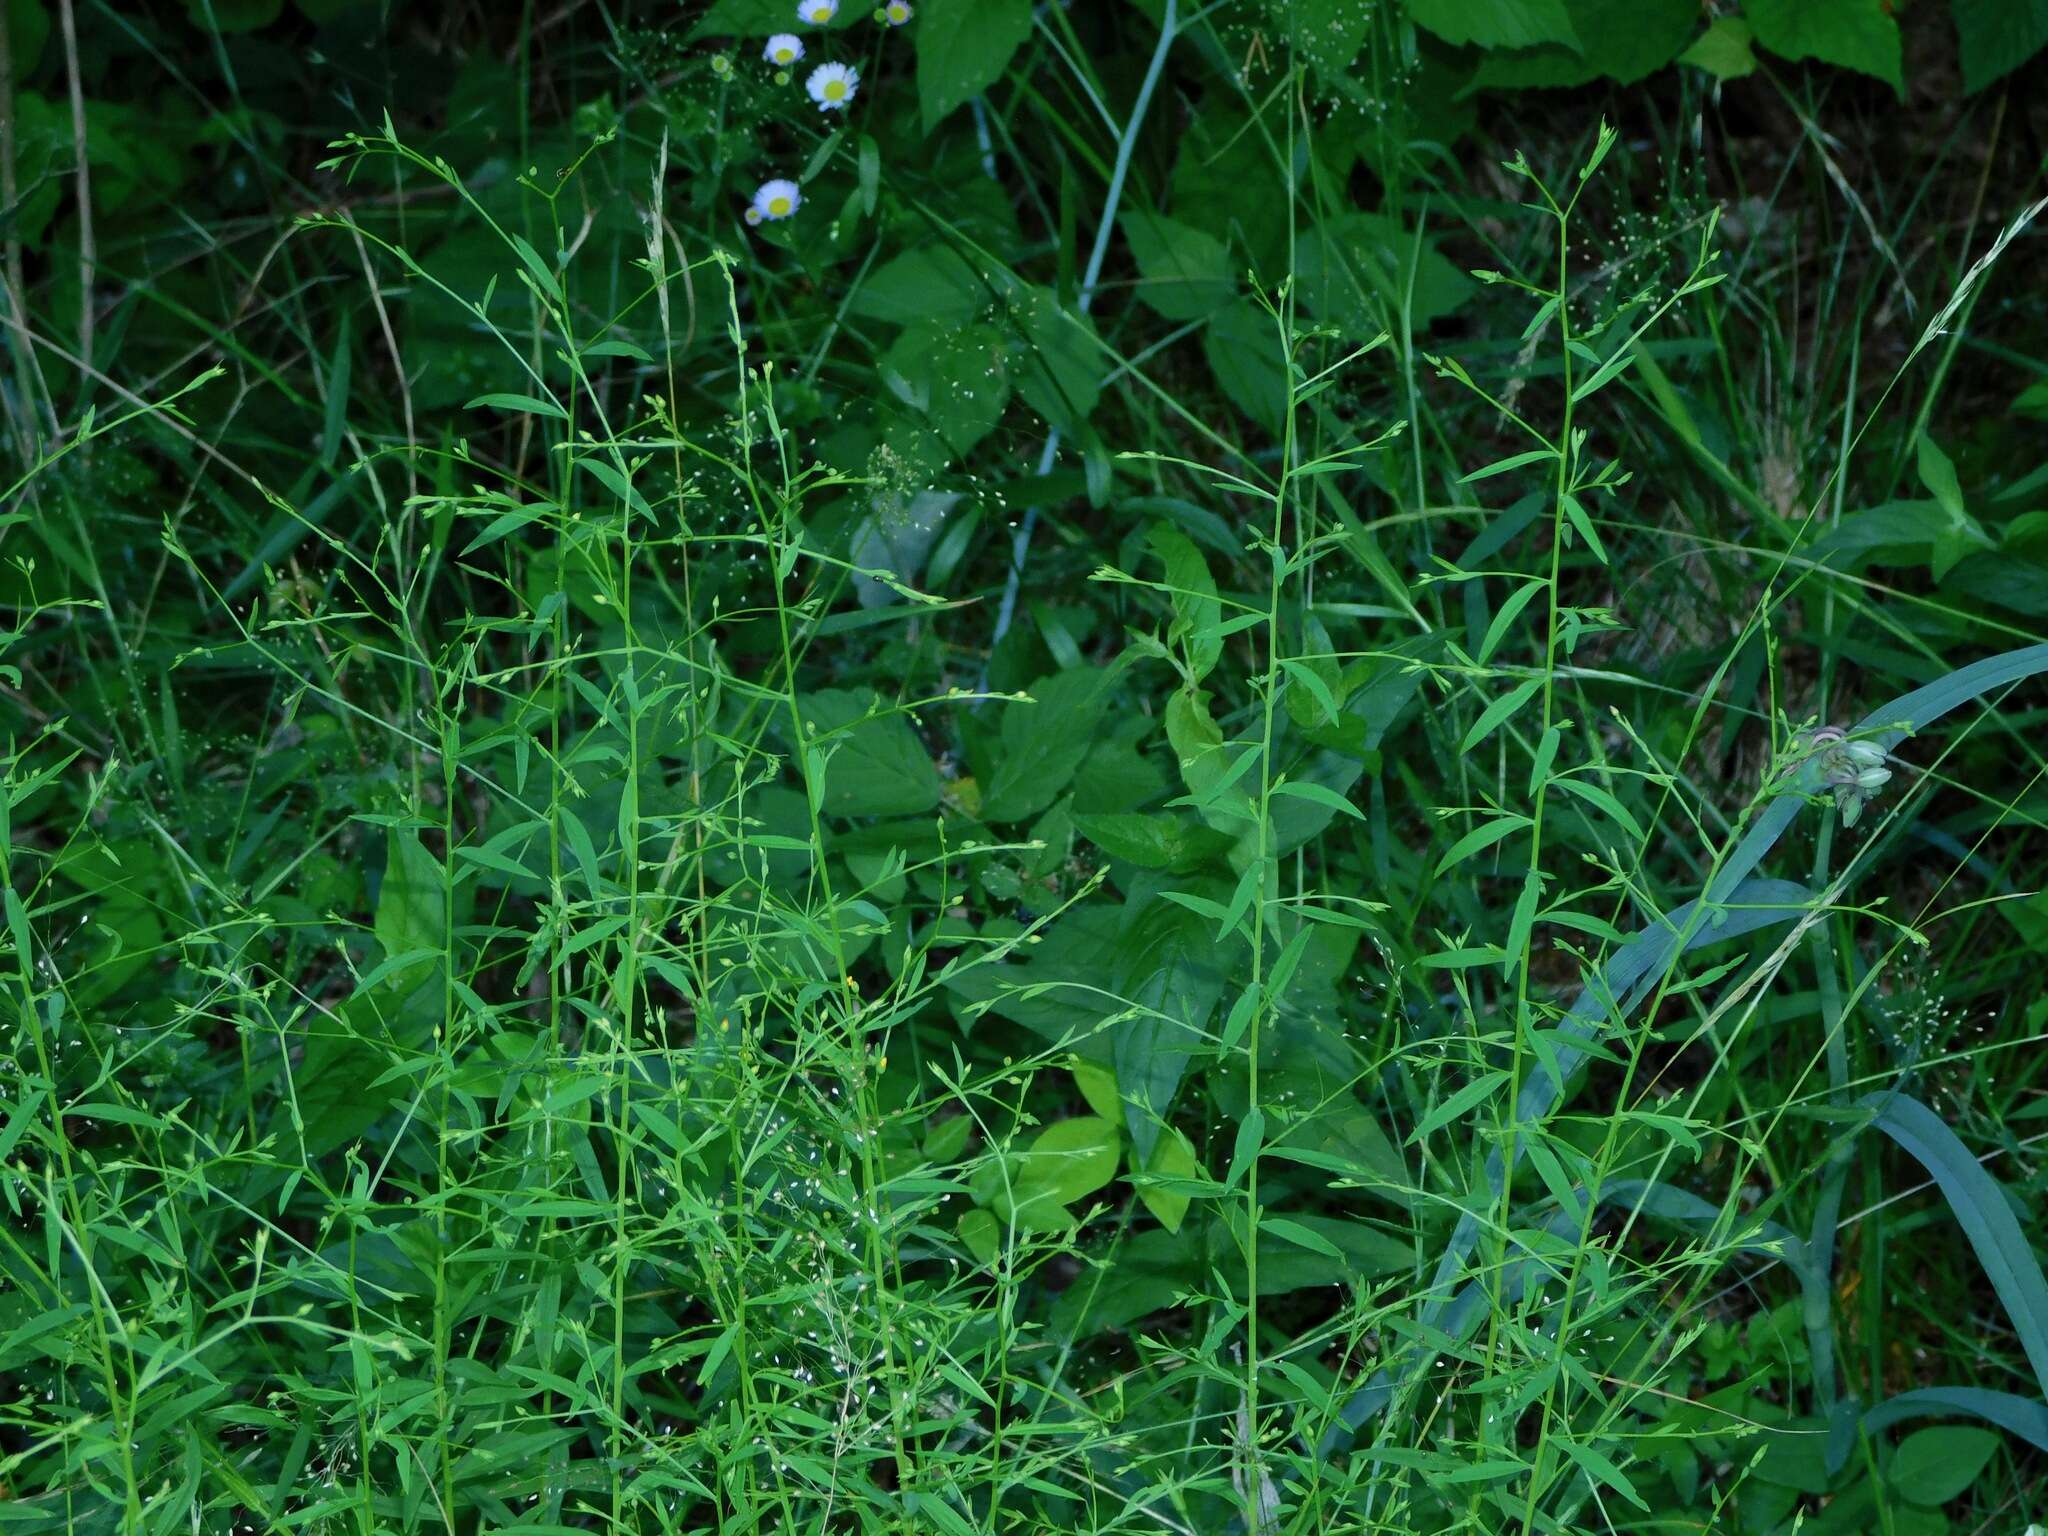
773,200
896,13
816,12
783,48
832,86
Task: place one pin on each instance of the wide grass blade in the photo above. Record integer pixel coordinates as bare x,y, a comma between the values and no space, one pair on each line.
1986,1217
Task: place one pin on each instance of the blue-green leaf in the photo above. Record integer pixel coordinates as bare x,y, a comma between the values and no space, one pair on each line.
1980,1206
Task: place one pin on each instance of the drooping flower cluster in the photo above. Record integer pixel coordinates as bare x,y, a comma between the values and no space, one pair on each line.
1854,771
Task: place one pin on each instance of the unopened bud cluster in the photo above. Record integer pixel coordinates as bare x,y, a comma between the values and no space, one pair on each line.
1854,771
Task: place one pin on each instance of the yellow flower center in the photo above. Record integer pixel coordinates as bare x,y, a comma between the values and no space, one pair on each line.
835,89
778,206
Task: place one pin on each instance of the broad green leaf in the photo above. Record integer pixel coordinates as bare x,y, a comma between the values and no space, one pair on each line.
1323,688
1098,1088
341,1084
1152,842
870,173
1622,40
28,26
1298,815
948,1139
1997,36
933,284
1184,273
2024,1417
1173,1156
1854,34
962,49
1067,1162
874,763
982,1234
1212,773
1058,365
1724,50
1289,1259
1326,34
1151,1268
1168,963
1959,533
1042,743
412,910
763,18
1243,350
1496,23
1196,609
1935,1465
1360,271
957,376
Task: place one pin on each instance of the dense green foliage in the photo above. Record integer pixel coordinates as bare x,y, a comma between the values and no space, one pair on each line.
1149,768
